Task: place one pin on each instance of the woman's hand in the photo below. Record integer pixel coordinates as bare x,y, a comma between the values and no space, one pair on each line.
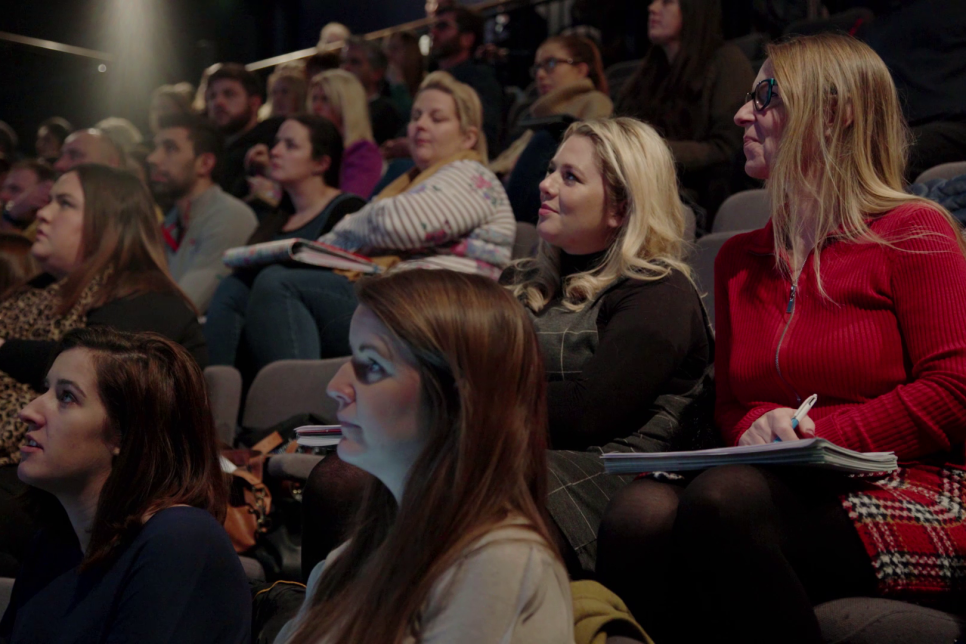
777,424
256,159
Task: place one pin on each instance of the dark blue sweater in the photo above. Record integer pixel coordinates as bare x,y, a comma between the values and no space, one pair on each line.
179,580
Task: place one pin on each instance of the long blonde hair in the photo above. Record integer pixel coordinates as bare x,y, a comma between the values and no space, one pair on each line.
843,146
640,180
346,94
469,110
483,383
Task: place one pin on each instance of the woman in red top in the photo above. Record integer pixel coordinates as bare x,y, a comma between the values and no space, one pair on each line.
854,291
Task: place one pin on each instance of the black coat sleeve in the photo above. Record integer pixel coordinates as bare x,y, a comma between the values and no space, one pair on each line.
652,341
27,360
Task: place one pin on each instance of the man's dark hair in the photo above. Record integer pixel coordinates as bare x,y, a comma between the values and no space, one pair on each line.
38,166
202,133
375,55
467,21
58,126
250,81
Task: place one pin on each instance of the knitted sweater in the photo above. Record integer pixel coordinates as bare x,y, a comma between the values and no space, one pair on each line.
885,352
458,219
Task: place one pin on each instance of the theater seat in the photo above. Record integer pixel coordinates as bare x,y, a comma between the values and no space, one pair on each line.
702,261
618,74
943,171
745,210
288,387
863,620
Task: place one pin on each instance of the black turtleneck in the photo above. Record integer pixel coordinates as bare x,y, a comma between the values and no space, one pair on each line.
651,341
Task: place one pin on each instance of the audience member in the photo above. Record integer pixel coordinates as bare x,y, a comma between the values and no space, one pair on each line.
121,131
876,334
89,146
457,33
200,104
305,162
689,86
443,405
50,138
17,265
122,447
333,34
923,46
448,212
367,63
233,97
612,255
570,80
338,96
321,62
406,70
170,99
100,249
25,190
286,91
9,142
205,221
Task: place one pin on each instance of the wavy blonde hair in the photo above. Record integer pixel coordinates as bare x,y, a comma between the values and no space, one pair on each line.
843,146
640,180
346,94
469,110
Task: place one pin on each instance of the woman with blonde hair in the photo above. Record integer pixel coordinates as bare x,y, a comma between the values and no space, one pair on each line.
854,291
443,405
339,96
620,323
286,91
448,212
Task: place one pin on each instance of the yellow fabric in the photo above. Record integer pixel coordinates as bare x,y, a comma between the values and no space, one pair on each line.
414,177
595,609
386,261
30,232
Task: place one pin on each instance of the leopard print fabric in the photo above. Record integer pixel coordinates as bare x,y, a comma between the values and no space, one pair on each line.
29,315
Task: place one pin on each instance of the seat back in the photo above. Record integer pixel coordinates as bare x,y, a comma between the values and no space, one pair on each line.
525,243
702,261
224,396
289,387
745,210
943,171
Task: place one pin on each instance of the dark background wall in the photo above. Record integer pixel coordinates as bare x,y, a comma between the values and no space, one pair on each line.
154,42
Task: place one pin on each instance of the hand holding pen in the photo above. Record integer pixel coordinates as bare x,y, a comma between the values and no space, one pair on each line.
783,424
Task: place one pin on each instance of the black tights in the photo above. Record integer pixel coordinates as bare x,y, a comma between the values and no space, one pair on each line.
739,554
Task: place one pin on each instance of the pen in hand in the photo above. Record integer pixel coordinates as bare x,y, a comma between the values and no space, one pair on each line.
801,413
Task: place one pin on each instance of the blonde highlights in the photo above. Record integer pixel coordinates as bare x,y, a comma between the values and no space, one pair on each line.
641,182
843,148
469,110
346,94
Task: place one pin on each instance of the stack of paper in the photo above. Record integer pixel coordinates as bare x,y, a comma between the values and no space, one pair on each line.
299,250
318,435
814,452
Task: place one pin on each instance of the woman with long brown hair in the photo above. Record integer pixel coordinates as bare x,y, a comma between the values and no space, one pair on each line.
122,448
99,246
688,87
443,404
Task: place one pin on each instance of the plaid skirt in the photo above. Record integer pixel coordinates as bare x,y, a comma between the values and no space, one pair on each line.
579,493
913,525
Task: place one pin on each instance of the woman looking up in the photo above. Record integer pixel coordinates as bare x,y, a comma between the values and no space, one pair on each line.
854,291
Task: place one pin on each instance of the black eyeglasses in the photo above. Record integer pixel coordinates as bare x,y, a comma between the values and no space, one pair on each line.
550,64
762,94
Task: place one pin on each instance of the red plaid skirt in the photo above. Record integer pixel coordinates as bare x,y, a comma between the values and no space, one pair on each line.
913,524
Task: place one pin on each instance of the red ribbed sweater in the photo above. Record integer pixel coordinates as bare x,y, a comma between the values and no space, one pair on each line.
886,354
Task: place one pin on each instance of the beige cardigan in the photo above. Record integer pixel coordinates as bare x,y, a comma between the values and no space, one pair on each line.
578,99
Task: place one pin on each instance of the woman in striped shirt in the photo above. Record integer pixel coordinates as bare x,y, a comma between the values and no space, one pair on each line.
448,212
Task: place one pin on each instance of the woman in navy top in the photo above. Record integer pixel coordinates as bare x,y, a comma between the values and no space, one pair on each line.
121,451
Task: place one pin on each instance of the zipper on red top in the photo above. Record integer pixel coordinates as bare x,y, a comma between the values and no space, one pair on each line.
790,312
